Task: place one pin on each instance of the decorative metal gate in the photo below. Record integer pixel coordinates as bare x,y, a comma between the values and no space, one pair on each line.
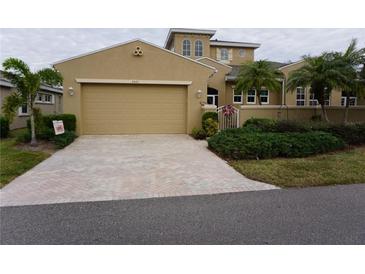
228,117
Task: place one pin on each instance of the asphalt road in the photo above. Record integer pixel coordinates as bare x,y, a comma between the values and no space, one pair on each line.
321,215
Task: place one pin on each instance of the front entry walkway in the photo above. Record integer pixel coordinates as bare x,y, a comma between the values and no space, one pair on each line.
96,168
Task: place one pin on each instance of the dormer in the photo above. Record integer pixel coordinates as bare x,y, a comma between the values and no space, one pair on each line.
192,43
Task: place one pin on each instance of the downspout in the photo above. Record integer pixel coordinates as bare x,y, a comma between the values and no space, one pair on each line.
283,97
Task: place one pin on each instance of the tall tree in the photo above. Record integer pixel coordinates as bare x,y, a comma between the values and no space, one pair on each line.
350,62
321,74
27,84
258,75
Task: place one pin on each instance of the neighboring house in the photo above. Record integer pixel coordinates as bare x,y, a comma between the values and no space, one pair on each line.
138,87
49,100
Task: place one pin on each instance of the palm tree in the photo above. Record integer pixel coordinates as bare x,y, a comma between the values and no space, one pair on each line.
321,74
258,75
350,61
27,84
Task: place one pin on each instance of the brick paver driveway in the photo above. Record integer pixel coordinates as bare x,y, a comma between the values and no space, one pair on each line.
96,168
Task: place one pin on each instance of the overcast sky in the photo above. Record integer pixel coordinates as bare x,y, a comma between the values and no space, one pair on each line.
41,47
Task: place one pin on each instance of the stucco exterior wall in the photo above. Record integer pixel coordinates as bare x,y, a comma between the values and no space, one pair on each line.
217,81
274,97
178,42
290,98
335,114
120,63
236,58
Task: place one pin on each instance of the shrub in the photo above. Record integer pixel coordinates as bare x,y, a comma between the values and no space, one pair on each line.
38,122
23,137
198,133
44,124
316,118
211,115
210,126
4,127
64,139
69,120
352,134
260,124
291,126
240,144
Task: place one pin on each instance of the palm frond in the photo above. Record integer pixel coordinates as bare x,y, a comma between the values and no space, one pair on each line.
50,76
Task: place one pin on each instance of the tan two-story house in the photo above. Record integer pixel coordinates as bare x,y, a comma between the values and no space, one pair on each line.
139,87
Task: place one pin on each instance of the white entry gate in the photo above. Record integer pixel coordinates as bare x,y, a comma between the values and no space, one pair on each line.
228,117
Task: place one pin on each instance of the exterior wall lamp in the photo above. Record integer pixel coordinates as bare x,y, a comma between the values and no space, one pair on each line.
199,94
71,91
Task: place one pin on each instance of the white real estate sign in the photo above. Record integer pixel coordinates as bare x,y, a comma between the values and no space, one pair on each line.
58,127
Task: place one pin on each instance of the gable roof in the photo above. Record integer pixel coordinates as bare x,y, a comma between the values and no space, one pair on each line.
4,82
236,70
128,42
234,44
215,61
291,64
188,31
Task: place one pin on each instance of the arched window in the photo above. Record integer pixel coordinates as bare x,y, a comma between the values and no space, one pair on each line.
186,50
198,48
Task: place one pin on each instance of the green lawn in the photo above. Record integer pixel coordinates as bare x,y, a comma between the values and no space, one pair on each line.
14,162
345,167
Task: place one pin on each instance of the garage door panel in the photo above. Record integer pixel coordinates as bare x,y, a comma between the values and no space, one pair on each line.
128,109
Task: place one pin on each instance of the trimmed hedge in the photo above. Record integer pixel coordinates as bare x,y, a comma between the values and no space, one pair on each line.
210,114
45,131
64,139
4,127
69,121
210,126
241,144
352,134
198,134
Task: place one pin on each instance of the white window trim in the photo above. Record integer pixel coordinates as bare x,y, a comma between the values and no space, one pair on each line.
202,49
244,53
43,98
182,48
20,113
300,100
213,97
251,103
221,59
344,98
268,98
241,96
317,103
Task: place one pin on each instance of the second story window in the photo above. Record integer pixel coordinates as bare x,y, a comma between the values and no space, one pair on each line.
224,54
186,50
198,48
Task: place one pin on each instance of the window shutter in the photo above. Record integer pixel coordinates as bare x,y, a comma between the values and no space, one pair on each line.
218,54
230,54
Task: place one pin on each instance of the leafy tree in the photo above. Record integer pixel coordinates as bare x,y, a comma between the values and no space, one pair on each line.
321,74
27,84
258,75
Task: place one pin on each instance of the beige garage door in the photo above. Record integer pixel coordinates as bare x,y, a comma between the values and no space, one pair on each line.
128,109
